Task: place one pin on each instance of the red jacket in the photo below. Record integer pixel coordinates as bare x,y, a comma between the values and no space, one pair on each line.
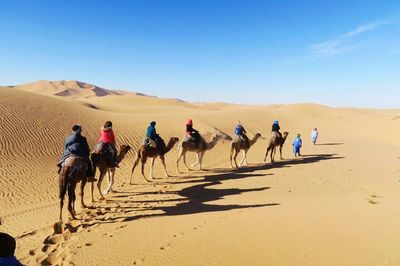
107,136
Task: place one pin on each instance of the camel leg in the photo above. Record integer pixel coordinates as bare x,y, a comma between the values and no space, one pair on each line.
112,180
110,174
230,157
83,183
234,158
71,197
184,162
243,159
101,177
152,166
280,150
180,154
74,198
266,153
92,190
162,158
197,162
201,160
63,190
143,161
133,169
273,151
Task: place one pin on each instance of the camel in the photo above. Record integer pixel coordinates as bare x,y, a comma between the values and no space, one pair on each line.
145,152
274,142
239,144
73,171
200,149
100,161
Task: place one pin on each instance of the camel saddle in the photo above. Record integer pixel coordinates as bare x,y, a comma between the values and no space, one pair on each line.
77,163
101,148
242,142
275,134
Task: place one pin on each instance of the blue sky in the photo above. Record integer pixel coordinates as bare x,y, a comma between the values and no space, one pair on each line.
337,52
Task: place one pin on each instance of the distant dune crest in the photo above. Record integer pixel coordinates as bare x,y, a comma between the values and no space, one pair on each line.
68,88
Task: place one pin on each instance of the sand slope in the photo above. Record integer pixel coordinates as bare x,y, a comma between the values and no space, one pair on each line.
317,210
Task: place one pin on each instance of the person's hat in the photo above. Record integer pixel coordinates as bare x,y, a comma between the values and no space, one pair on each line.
189,122
76,128
153,123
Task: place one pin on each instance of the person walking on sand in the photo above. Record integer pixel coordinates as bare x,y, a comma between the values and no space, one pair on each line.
7,250
297,143
314,136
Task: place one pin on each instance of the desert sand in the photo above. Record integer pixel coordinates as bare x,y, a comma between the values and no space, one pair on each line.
339,204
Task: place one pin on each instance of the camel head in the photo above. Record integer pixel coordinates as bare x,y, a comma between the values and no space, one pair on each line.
285,135
257,135
124,149
174,140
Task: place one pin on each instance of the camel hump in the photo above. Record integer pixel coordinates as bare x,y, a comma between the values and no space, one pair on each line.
236,139
274,134
73,161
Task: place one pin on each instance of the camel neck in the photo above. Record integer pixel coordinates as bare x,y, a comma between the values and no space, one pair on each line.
169,146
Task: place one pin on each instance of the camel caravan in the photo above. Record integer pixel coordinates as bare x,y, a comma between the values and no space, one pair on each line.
79,164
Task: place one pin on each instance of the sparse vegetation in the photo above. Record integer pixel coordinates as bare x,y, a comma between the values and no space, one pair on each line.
371,201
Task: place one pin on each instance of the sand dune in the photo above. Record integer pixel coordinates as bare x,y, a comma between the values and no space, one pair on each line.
337,205
67,88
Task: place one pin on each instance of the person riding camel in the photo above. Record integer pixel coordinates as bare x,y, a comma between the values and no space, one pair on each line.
153,139
240,132
151,134
107,141
191,133
76,144
276,128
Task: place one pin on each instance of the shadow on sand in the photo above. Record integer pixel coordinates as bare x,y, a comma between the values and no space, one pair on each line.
329,144
196,198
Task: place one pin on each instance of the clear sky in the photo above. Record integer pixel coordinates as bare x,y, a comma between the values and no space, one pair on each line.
334,52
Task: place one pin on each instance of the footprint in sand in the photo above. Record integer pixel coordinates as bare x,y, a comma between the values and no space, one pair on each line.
138,261
165,247
53,258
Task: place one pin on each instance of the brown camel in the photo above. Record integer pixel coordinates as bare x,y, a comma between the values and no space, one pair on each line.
73,171
145,152
101,161
274,142
240,144
199,149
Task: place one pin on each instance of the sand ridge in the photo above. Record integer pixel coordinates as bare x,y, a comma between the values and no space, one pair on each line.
336,205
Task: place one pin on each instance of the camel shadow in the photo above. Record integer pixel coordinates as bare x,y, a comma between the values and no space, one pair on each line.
201,195
190,200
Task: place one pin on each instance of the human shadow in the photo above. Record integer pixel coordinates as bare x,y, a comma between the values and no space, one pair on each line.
229,173
329,144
